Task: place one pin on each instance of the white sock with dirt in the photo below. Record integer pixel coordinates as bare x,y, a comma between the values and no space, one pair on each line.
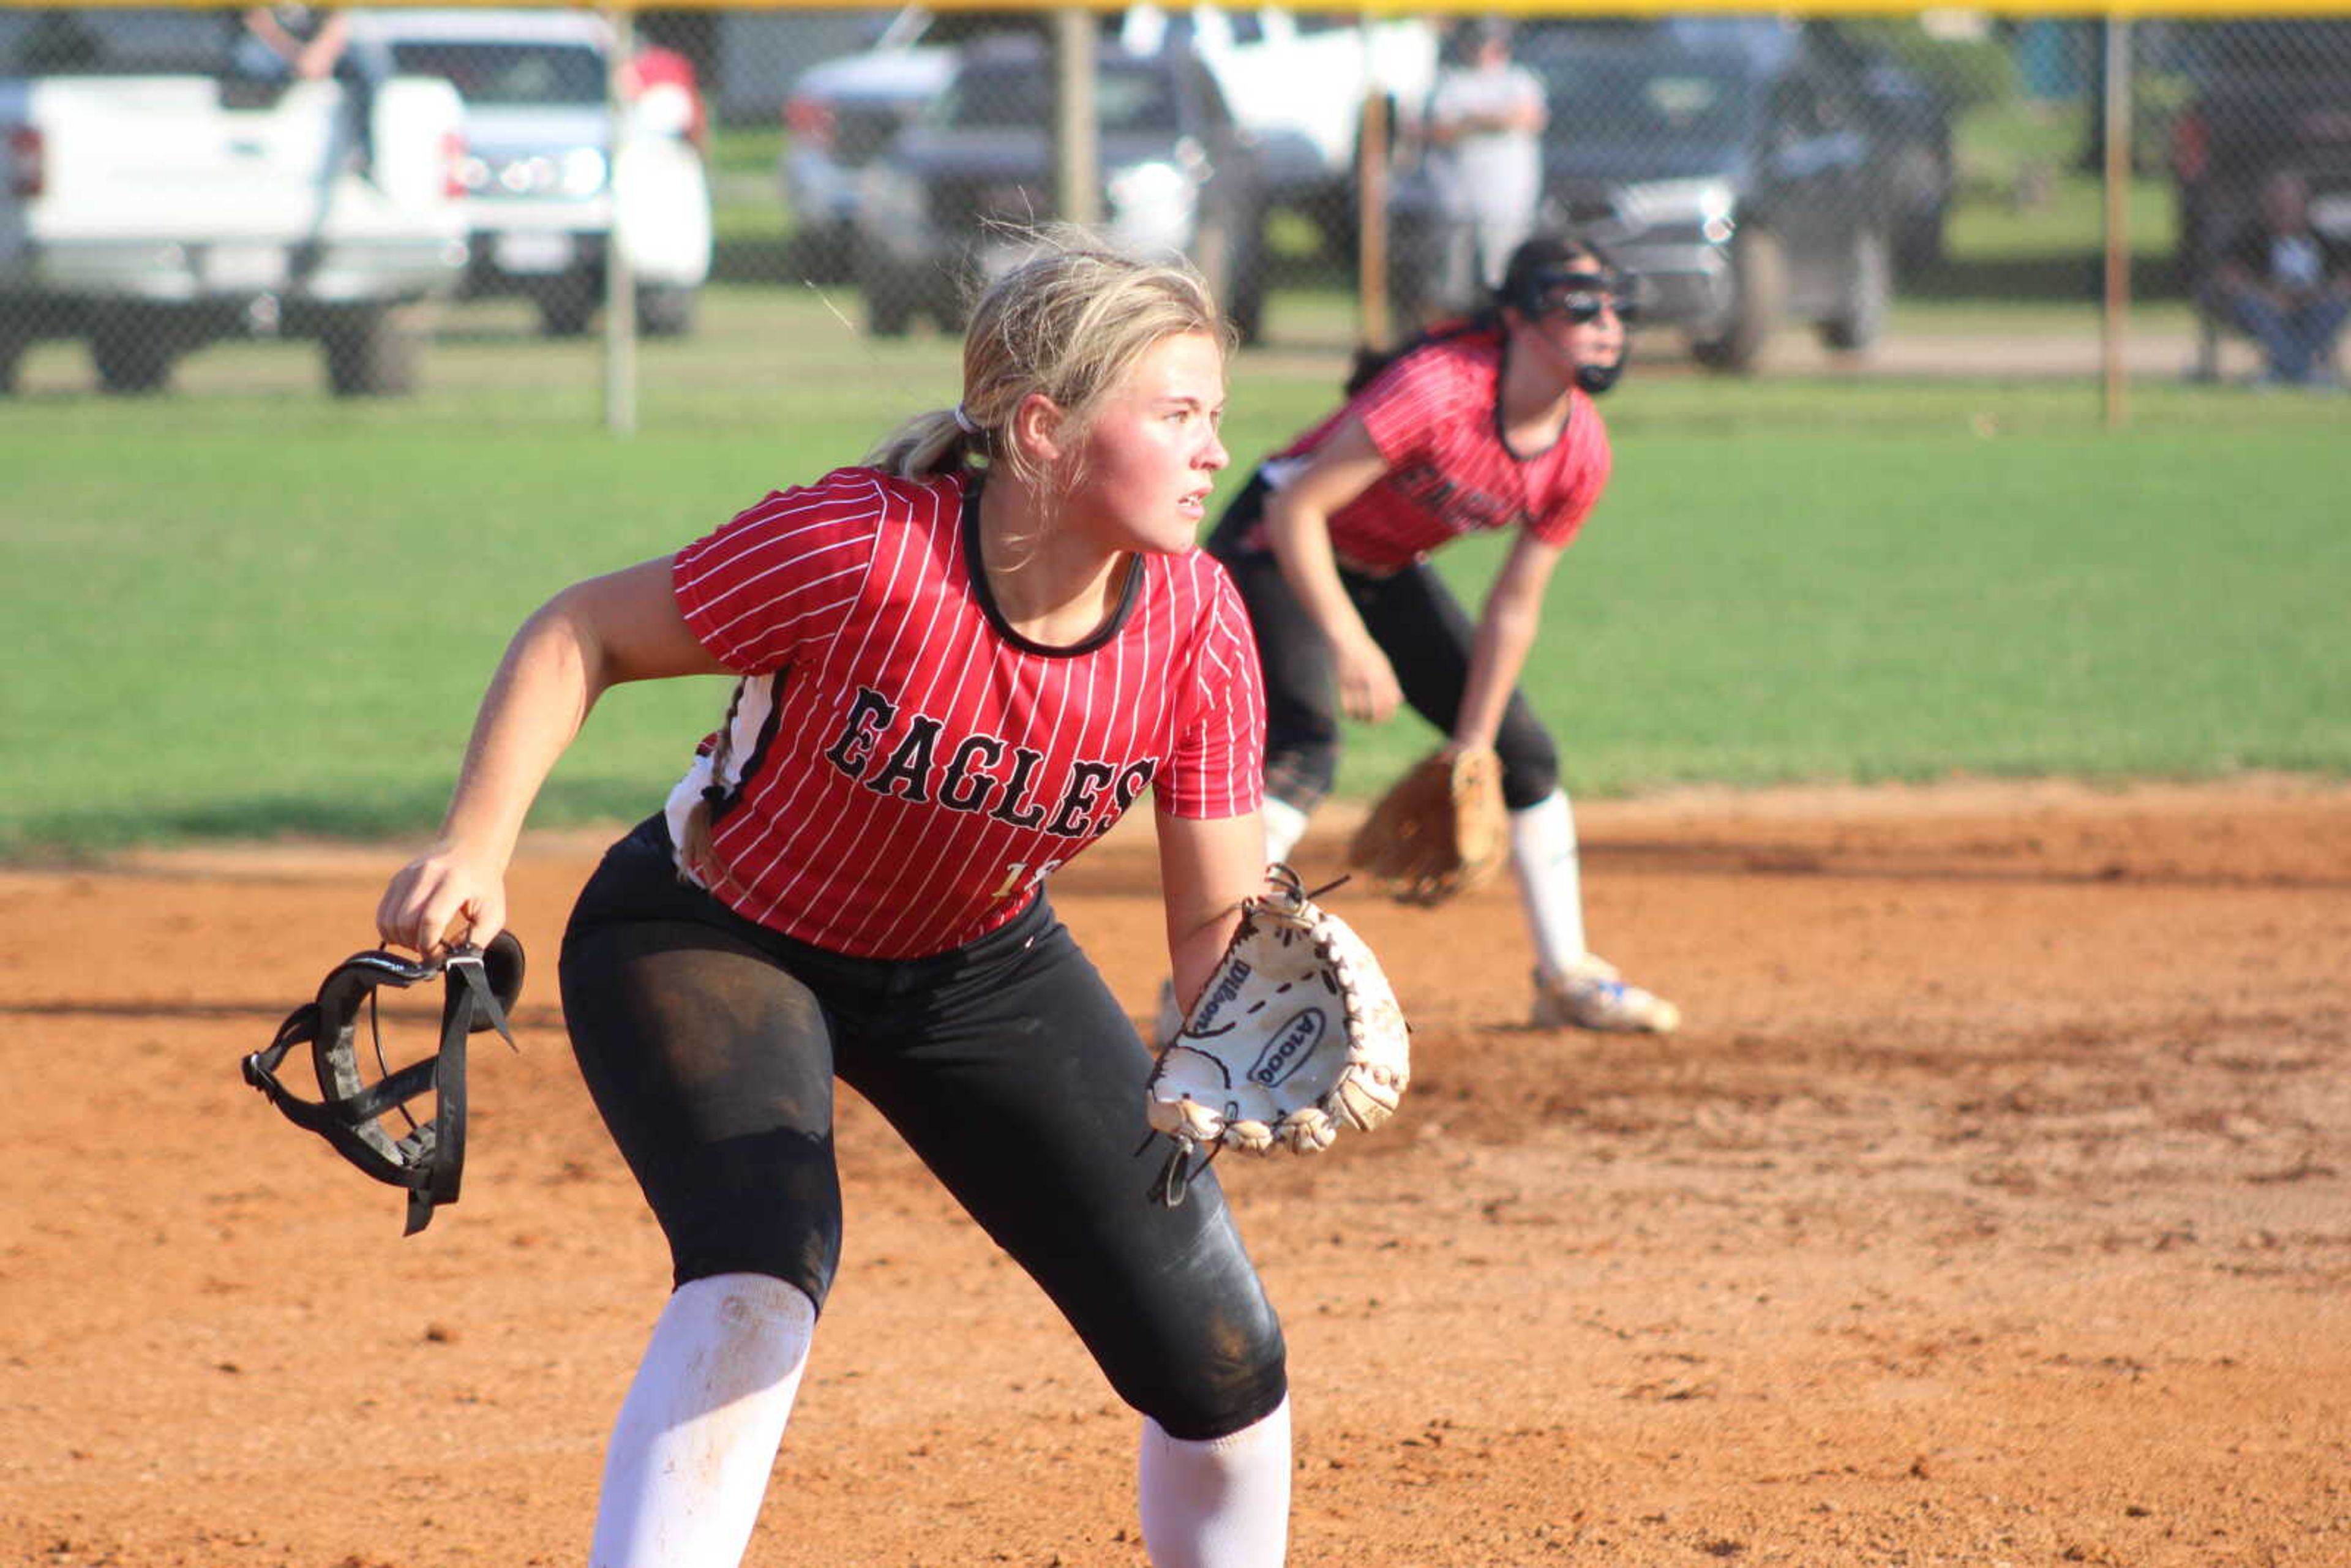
1549,872
1222,1503
697,1435
1285,824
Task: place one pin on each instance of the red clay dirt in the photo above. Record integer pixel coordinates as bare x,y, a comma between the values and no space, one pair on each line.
1991,1208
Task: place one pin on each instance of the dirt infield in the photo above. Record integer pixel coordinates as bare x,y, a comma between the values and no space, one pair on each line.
1991,1210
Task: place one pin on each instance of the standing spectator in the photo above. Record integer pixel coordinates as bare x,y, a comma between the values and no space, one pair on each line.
2286,284
1483,130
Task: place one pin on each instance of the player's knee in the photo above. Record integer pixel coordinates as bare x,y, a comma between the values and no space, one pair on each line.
1529,771
1300,772
1241,1377
801,1248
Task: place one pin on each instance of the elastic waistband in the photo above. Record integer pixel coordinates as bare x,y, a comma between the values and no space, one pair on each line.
654,887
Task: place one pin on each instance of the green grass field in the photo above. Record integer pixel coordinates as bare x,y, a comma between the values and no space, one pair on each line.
247,610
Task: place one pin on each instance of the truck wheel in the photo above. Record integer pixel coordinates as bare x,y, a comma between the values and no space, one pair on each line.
371,352
889,302
666,311
16,337
1759,287
133,350
565,307
1868,284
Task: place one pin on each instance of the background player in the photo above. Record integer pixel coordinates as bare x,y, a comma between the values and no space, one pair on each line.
956,666
1482,427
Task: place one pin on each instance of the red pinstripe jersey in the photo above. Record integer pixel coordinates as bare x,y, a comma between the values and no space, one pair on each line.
1435,416
902,768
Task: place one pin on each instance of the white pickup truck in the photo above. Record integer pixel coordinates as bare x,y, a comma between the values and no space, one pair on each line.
153,199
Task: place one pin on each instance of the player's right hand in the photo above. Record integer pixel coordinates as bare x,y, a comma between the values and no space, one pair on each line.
442,897
1367,681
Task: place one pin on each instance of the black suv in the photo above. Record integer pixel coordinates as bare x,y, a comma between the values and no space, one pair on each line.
947,206
1738,178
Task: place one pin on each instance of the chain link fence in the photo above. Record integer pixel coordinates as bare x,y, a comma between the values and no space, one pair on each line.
1928,193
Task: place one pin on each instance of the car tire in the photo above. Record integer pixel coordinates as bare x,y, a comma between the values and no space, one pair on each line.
16,337
565,307
1758,286
824,253
134,351
370,351
889,313
1868,287
667,310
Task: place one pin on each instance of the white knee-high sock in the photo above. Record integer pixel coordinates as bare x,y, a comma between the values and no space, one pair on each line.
697,1435
1550,880
1285,824
1222,1503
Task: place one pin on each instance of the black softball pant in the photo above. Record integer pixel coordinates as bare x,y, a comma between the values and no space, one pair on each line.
710,1044
1417,623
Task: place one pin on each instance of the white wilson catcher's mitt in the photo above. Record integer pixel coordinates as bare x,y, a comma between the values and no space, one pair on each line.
1296,1035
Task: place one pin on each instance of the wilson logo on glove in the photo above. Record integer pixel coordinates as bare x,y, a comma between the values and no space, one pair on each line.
1339,1057
1289,1051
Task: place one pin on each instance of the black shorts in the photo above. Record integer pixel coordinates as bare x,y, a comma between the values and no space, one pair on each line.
1416,623
710,1045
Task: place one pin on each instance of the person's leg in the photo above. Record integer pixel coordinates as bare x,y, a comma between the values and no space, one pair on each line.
690,1453
2317,327
2266,325
1020,1085
1218,1501
363,67
1426,634
712,1067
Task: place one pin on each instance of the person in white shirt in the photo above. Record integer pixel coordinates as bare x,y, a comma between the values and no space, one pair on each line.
1484,129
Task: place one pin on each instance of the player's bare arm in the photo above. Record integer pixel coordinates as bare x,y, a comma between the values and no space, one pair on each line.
594,635
1298,524
1205,868
1505,636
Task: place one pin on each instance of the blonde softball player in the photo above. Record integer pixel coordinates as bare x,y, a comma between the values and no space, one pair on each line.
956,665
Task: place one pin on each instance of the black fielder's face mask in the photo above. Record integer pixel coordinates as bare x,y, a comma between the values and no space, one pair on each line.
1581,295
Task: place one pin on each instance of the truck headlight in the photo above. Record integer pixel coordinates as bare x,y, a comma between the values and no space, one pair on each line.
1698,202
583,171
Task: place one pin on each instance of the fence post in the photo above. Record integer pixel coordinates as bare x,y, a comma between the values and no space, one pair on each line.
2117,177
619,282
1077,177
1372,197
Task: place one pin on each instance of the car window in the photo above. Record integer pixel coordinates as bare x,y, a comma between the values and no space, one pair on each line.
1596,99
1134,100
130,42
507,74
